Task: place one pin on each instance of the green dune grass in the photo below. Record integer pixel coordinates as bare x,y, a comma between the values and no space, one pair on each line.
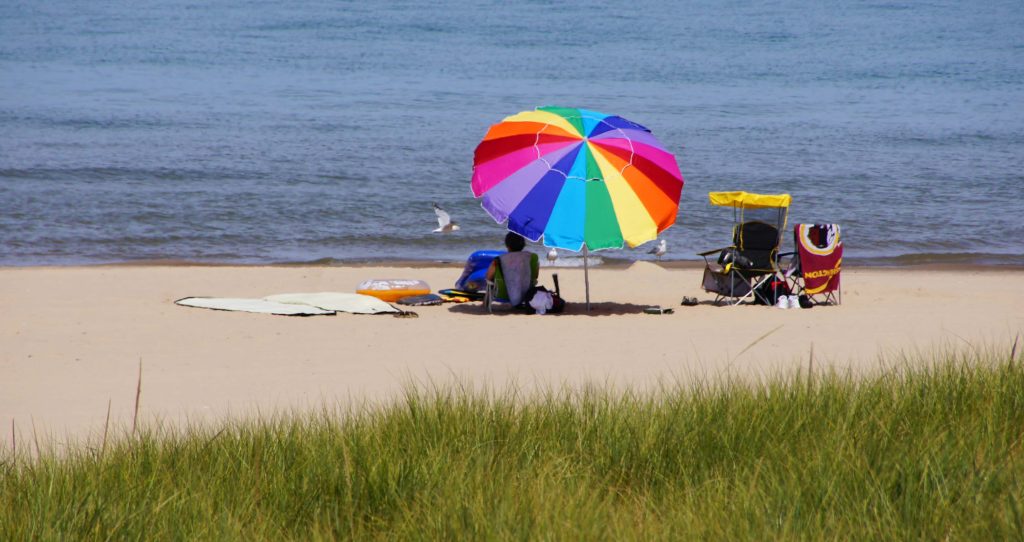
929,451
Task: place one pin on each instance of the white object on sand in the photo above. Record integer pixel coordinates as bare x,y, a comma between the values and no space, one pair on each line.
552,255
251,305
336,301
541,301
444,221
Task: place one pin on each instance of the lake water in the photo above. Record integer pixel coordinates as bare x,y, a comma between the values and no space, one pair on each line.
258,132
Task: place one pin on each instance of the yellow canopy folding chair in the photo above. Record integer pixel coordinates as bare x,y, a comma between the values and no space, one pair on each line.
737,271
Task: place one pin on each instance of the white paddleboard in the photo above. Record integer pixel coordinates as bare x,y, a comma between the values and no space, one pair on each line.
336,301
251,305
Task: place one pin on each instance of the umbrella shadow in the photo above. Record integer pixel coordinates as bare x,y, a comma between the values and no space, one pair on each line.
603,308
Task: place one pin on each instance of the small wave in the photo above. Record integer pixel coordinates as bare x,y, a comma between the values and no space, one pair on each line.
574,261
381,261
114,173
947,258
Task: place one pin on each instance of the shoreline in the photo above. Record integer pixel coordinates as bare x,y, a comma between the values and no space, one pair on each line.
605,263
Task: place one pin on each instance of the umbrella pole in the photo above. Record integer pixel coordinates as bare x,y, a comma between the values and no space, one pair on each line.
586,276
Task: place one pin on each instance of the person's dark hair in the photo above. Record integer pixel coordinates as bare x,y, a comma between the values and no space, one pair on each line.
514,242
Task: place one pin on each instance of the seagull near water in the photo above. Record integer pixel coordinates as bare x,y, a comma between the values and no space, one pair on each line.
444,221
552,255
659,250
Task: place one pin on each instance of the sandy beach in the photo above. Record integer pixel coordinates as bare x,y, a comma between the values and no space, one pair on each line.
73,338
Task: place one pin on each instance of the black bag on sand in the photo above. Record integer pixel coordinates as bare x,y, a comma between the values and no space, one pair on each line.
769,291
557,303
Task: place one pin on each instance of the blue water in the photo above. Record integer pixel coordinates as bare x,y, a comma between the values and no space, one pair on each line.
256,132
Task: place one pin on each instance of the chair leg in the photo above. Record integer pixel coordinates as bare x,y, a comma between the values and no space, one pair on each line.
489,296
754,285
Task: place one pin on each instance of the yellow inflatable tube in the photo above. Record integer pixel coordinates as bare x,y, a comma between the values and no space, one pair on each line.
392,290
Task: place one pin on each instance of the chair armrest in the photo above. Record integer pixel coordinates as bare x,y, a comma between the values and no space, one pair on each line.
782,256
789,258
713,251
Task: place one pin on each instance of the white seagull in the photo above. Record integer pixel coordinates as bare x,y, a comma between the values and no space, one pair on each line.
659,250
552,255
444,221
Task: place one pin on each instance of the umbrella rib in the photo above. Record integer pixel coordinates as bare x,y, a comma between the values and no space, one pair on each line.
632,151
536,146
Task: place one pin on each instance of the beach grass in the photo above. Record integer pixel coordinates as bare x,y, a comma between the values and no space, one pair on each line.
928,449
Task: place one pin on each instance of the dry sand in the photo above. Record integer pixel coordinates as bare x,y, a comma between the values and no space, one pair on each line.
72,338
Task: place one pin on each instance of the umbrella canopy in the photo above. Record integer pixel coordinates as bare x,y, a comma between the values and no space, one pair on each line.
579,179
761,206
749,200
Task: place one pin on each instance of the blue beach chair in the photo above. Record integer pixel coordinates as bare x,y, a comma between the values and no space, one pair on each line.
474,274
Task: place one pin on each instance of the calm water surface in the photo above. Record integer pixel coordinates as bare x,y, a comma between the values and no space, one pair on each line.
244,131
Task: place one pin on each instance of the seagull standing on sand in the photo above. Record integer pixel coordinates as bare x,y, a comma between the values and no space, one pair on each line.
444,221
659,250
552,255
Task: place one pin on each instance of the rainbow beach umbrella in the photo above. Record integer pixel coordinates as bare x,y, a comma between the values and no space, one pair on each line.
579,179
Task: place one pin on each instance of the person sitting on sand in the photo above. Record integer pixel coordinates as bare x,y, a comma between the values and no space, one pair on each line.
514,273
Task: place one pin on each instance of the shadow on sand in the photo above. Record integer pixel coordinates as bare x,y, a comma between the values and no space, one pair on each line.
603,308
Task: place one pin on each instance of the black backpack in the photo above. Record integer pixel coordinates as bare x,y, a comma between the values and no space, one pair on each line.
557,303
769,291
